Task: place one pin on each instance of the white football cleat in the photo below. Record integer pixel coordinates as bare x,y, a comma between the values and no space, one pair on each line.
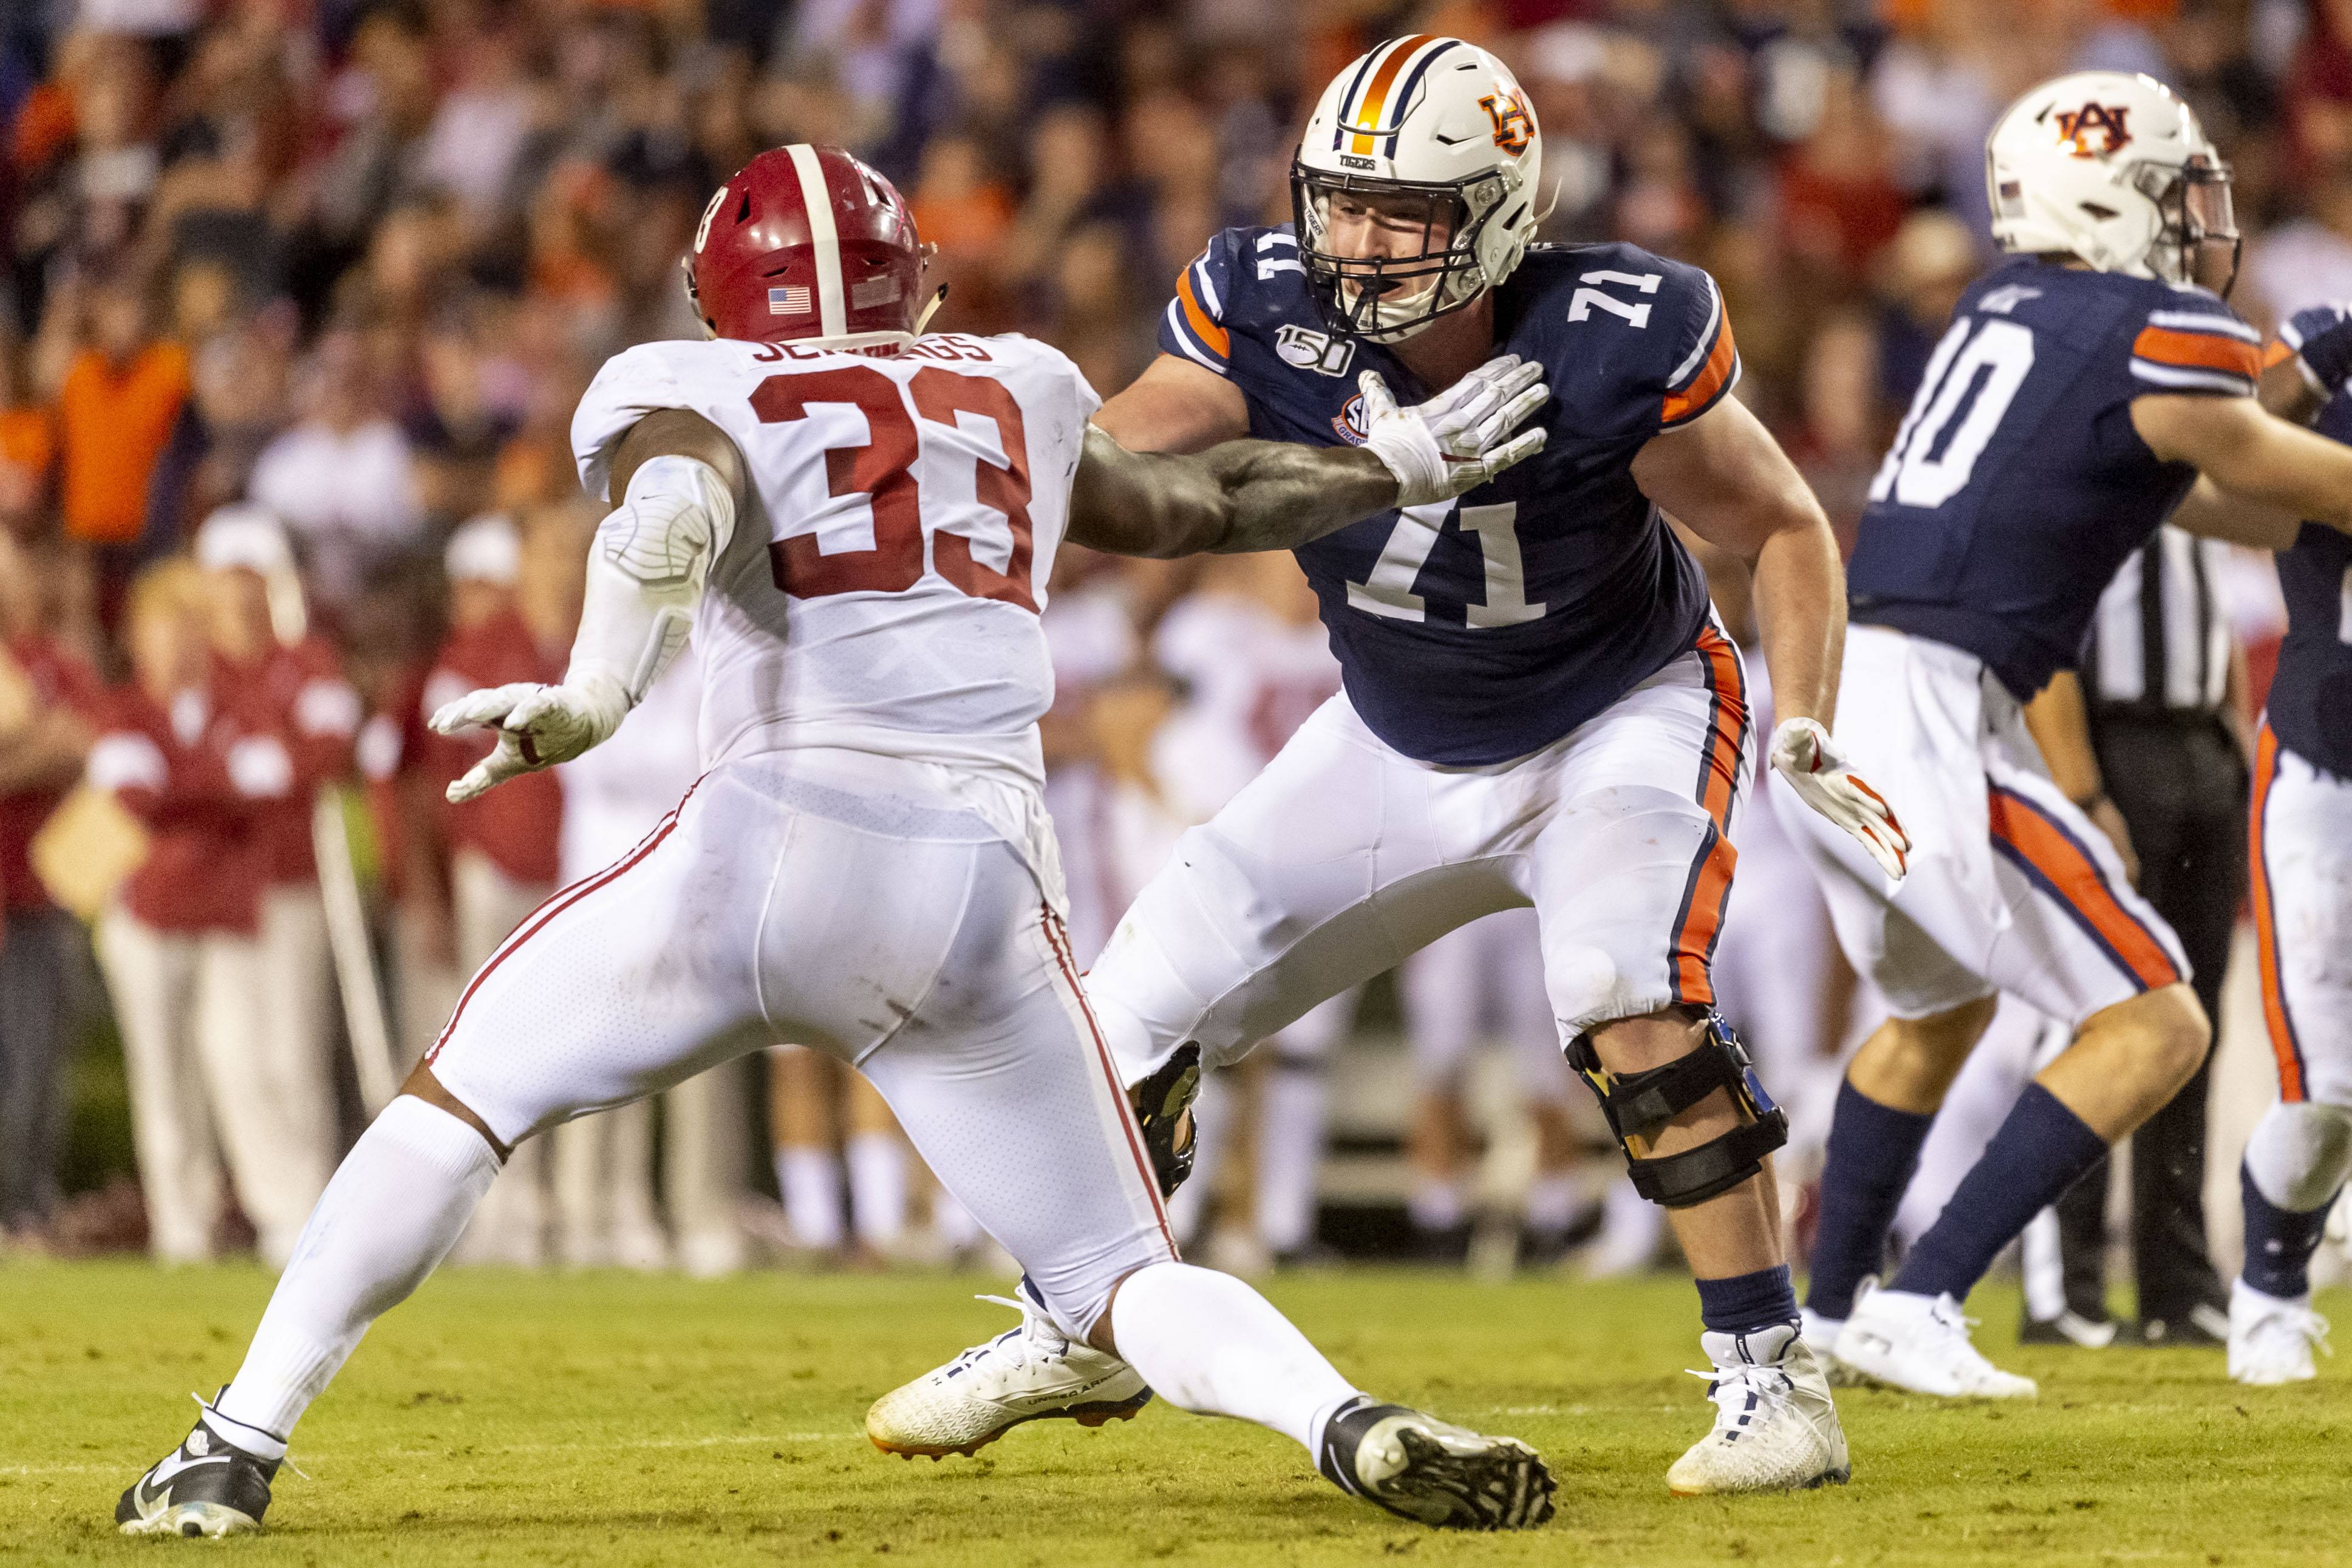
1819,1335
1034,1373
2271,1340
1920,1344
1776,1427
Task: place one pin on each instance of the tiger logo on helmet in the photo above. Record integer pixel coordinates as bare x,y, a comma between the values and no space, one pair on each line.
2114,168
1428,133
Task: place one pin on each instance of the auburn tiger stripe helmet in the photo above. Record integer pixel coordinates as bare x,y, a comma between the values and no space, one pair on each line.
807,245
1428,131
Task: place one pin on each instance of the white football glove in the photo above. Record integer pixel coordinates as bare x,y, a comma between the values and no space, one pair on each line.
1803,754
539,726
1455,442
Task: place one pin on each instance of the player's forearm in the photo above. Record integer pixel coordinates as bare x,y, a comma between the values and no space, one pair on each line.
2061,726
1280,497
1800,588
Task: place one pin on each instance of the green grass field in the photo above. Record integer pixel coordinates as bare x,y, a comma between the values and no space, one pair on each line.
608,1419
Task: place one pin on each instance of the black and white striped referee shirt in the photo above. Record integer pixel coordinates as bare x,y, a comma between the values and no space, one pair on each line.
2160,641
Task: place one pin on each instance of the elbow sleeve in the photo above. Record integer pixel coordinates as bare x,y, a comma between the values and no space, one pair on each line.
647,569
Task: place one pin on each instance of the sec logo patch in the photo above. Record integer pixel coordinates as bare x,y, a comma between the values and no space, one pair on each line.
1349,421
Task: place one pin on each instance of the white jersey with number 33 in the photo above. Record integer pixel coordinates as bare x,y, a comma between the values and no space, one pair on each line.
882,588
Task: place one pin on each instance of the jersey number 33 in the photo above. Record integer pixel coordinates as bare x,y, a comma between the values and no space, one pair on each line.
882,468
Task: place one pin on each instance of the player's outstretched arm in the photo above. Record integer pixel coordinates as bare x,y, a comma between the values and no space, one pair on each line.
678,481
1244,496
1726,479
2261,476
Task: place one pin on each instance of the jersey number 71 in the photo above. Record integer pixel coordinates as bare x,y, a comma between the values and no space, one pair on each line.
1937,446
882,468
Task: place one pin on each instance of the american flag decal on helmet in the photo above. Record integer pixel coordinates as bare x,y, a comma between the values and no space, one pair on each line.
793,300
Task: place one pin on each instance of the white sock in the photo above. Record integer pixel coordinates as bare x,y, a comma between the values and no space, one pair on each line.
810,1180
1550,1205
877,1187
1290,1155
1207,1342
1435,1204
396,1205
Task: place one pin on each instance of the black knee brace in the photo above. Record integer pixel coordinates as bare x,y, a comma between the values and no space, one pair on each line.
1161,1102
1639,1105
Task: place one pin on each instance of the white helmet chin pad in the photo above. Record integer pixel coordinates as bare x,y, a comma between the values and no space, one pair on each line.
1413,186
2113,168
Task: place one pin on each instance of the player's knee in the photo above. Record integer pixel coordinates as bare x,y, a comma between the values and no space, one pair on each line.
2177,1033
2300,1153
1680,1151
1585,981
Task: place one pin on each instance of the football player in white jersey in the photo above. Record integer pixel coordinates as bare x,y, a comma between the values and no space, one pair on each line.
857,523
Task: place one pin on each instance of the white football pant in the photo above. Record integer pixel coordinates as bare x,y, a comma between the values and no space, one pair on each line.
2010,887
1345,856
847,902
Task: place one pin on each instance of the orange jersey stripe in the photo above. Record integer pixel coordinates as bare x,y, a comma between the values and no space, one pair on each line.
2078,880
2276,354
2198,351
2274,1015
1215,336
1681,405
1376,96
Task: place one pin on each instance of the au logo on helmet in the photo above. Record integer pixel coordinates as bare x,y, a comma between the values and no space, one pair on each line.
2075,127
1513,126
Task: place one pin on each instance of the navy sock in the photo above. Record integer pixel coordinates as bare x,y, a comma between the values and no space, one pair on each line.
1873,1150
2279,1242
2041,1150
1746,1303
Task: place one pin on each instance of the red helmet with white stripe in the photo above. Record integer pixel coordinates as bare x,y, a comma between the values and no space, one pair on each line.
807,245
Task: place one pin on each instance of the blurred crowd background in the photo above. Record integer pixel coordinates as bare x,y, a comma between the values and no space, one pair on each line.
297,298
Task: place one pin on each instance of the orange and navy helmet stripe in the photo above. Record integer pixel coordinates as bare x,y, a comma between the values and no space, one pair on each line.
2286,1044
1376,100
2059,864
1699,923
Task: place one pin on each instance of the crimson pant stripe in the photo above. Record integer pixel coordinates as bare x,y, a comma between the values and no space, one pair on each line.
1056,939
557,902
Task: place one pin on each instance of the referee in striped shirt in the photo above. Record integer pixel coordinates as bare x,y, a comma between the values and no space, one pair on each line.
2151,741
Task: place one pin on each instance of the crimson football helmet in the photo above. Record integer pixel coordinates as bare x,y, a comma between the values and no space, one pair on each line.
807,245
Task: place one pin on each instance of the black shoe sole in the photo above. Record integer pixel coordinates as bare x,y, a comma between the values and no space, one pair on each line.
1505,1487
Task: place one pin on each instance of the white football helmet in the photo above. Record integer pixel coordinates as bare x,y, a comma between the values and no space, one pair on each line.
1425,132
2114,168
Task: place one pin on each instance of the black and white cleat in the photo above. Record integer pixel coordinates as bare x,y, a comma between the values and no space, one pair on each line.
1412,1464
205,1487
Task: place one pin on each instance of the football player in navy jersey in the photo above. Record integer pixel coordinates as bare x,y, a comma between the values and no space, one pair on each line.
2081,392
2302,858
1538,708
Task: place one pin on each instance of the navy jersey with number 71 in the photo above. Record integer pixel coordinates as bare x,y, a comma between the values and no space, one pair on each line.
1477,630
2017,486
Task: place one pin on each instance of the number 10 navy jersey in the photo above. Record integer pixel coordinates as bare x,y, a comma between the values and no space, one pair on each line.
2310,703
2017,486
1475,631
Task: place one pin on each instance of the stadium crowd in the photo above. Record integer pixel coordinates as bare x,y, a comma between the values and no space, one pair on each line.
299,296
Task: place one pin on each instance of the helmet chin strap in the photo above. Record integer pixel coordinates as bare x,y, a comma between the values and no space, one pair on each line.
937,300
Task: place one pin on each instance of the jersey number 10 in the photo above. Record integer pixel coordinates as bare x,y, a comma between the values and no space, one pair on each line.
1937,446
883,469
